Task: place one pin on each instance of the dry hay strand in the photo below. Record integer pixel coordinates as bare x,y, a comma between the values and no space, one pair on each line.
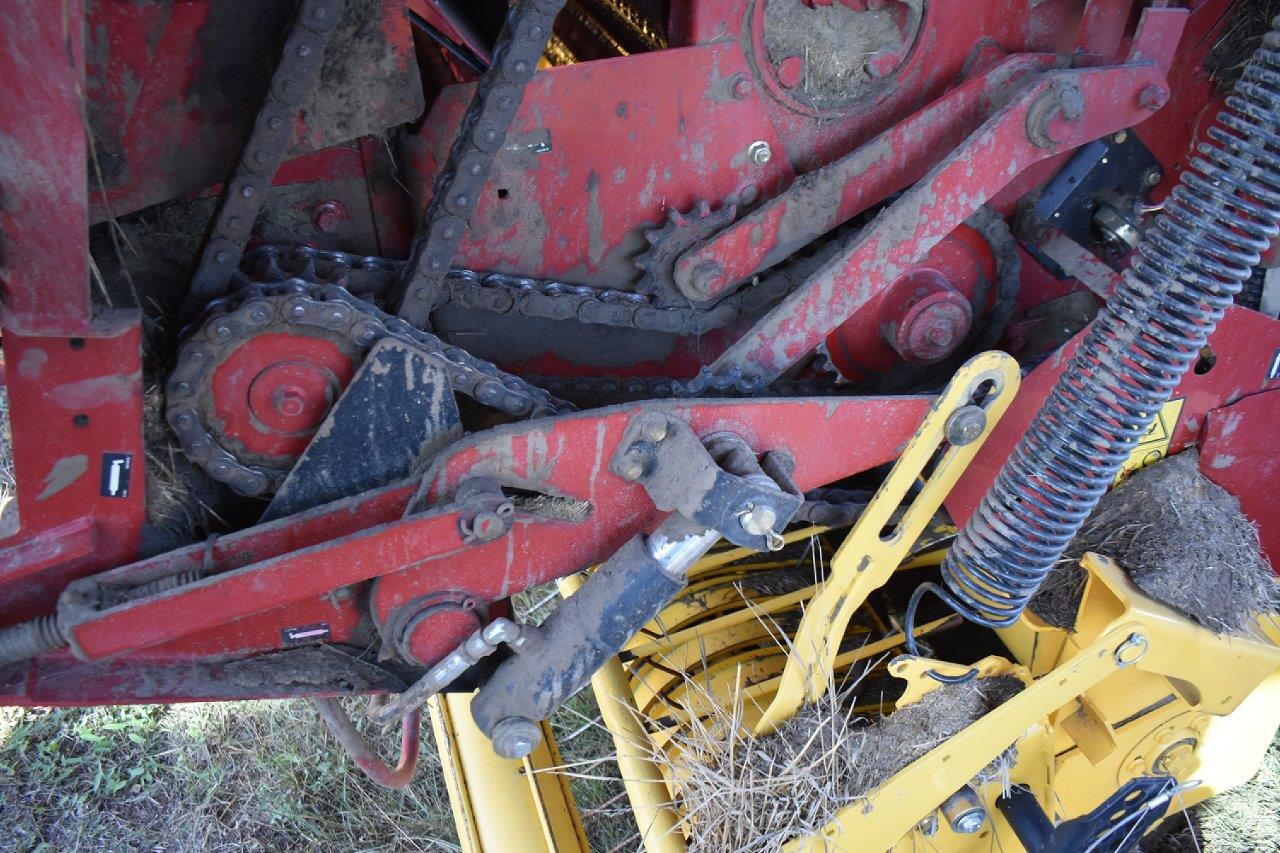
1184,542
739,792
1246,23
173,507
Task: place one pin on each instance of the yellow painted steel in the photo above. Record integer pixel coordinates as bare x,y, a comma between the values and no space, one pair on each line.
869,556
499,804
1121,637
645,786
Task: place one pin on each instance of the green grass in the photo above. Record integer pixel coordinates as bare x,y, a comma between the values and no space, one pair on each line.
243,776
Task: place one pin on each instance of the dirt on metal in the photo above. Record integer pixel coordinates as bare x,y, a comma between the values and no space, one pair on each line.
745,793
834,42
1182,539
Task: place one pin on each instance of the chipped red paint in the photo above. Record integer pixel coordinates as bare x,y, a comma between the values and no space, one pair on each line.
598,151
43,245
423,552
1238,452
71,401
170,127
951,192
563,204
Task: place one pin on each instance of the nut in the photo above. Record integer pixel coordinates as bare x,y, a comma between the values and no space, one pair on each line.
515,737
656,431
758,520
965,425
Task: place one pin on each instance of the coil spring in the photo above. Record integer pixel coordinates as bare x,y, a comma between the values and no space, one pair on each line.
1190,264
28,639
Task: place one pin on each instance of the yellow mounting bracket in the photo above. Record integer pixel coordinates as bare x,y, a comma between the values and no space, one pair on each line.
877,544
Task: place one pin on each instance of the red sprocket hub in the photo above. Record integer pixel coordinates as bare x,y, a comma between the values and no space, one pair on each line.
272,392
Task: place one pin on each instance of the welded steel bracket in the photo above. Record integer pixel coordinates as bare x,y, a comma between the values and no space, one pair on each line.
731,495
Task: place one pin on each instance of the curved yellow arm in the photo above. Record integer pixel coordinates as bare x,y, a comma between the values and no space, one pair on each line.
875,546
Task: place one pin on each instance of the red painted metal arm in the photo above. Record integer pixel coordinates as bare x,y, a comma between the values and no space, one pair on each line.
827,197
424,553
1063,110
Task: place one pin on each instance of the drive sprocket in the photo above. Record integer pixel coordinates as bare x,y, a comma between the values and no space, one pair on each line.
669,241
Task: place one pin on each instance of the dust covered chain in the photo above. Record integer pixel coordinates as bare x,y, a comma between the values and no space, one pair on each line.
302,305
521,296
295,77
484,130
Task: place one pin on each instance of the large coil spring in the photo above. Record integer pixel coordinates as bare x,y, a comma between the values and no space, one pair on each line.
28,639
1188,267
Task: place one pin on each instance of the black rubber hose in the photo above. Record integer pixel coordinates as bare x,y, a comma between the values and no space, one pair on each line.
1190,264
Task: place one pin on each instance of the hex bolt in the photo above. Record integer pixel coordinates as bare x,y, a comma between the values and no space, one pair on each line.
328,215
759,152
1153,97
707,276
965,425
515,737
964,812
758,520
1151,177
790,71
290,401
632,471
656,431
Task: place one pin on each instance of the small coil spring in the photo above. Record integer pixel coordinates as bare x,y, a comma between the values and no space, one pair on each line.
28,639
1190,264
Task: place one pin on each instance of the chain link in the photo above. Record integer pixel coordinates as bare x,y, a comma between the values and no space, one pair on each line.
483,132
295,77
309,306
521,296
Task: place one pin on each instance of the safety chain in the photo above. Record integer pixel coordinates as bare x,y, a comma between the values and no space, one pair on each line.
500,293
295,77
484,130
310,307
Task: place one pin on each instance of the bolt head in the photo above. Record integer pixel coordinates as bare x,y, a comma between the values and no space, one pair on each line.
791,71
707,276
1153,97
758,520
516,737
632,471
965,425
655,432
759,152
741,87
970,822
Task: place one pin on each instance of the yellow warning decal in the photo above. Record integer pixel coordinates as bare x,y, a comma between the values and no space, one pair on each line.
1155,443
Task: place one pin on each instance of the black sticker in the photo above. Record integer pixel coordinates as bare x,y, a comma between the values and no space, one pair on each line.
317,633
116,468
1273,369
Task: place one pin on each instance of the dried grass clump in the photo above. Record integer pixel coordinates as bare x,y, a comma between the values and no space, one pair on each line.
1182,539
744,793
1242,34
173,508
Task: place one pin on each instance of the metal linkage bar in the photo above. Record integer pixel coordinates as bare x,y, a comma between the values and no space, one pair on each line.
827,197
1063,110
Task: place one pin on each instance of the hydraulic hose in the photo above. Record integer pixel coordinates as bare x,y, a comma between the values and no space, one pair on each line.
1191,262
